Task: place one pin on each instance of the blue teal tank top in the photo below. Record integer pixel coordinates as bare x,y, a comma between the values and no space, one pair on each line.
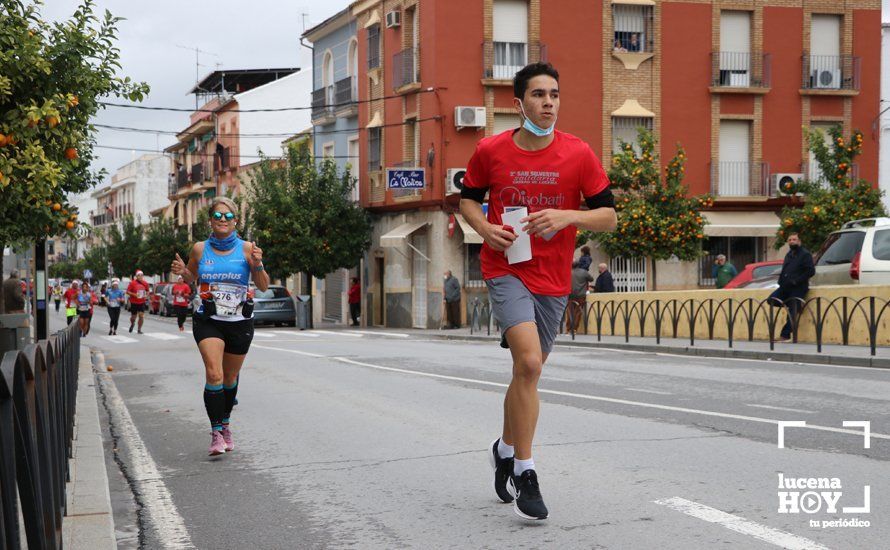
230,269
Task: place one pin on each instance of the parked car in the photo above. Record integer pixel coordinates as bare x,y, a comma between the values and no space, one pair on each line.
858,253
771,281
274,305
166,306
155,297
757,270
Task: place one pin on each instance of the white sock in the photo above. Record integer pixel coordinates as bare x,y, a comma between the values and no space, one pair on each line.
520,465
504,450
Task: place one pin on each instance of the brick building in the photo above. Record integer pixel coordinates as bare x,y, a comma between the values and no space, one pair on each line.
733,81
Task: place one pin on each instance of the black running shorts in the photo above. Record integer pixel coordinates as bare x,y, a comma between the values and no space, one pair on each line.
137,308
236,334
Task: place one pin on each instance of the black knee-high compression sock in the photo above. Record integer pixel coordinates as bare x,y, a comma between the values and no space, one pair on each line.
215,403
230,392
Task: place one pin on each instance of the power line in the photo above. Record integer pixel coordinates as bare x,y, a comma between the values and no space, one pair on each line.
275,110
210,155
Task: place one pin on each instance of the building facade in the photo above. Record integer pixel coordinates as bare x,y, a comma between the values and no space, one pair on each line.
733,81
884,121
137,189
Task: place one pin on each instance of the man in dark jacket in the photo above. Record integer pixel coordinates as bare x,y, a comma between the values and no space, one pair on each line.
12,294
452,300
794,282
604,281
581,279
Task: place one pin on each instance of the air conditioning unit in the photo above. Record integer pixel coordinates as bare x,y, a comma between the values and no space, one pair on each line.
779,181
454,180
827,78
393,19
469,117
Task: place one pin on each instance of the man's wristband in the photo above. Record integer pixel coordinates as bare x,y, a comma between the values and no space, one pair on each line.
259,267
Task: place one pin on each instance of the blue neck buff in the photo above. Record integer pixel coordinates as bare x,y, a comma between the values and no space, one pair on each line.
534,128
223,244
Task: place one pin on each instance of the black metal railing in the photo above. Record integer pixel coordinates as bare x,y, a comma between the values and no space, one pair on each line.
741,70
345,91
830,72
739,317
322,101
38,387
405,68
502,60
739,178
197,175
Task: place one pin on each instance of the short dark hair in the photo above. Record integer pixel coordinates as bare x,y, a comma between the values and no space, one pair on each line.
520,81
585,250
354,279
793,234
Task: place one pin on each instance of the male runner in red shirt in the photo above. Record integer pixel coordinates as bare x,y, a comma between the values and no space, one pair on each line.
137,291
547,172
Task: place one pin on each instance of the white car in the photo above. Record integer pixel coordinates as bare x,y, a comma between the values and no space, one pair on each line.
858,253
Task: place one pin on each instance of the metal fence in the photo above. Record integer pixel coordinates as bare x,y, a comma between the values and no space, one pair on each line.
38,386
666,318
741,69
739,178
830,72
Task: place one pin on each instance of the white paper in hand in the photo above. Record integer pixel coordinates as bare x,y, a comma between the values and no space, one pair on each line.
521,249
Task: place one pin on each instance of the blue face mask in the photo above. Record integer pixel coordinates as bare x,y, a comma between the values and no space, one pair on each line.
534,128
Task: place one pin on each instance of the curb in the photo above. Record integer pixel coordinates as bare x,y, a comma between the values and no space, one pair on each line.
821,359
89,521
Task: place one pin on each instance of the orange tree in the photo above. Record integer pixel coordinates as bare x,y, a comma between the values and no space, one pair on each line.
841,198
52,77
656,218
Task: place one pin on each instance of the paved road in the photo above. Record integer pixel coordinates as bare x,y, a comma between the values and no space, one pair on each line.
371,439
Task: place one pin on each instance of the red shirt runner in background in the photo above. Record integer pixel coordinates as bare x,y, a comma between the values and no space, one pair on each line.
554,177
181,294
70,297
355,294
140,290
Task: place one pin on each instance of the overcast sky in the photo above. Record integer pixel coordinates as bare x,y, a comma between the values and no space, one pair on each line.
242,35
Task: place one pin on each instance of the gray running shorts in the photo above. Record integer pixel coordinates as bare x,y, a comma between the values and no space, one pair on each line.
512,303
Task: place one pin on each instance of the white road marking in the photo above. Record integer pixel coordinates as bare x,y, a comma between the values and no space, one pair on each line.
741,525
295,333
291,351
379,333
789,409
650,391
338,333
555,379
104,323
120,339
156,499
263,334
162,336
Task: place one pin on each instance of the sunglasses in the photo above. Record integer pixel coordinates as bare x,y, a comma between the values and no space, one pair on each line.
219,215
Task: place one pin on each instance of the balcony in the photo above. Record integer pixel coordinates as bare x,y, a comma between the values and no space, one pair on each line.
345,96
502,60
814,173
405,68
739,179
323,106
197,173
830,75
740,72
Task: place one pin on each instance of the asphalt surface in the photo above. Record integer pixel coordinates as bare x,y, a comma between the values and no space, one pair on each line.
370,439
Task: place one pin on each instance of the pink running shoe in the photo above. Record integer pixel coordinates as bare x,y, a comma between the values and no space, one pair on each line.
227,437
217,444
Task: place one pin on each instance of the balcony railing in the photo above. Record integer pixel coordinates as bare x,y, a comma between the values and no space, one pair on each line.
739,178
197,173
741,70
405,68
345,91
814,173
322,102
502,60
830,72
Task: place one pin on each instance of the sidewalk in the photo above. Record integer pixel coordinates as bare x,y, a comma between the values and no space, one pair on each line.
89,523
798,353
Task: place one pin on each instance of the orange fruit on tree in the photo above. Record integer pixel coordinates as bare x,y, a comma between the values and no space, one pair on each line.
3,140
69,225
57,207
71,153
52,121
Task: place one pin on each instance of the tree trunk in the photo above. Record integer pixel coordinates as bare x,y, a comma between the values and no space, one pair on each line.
654,275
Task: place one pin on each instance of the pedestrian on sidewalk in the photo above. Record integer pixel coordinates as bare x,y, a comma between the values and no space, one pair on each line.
794,283
585,260
70,297
554,170
722,271
114,297
604,282
181,295
355,300
13,298
581,279
223,321
138,292
451,290
57,295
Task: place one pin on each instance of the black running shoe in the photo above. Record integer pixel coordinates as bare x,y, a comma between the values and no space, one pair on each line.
131,327
503,469
528,503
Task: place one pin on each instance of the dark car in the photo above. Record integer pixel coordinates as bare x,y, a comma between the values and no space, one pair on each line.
166,305
274,305
154,298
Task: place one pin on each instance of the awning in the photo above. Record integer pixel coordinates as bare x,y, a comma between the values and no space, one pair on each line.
398,236
741,224
470,235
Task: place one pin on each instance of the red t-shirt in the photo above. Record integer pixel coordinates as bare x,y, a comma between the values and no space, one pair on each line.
70,297
181,293
554,177
134,287
355,294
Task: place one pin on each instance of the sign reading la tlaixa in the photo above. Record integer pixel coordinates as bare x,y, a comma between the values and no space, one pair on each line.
405,178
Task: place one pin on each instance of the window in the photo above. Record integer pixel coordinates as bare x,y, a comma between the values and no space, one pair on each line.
473,267
510,19
353,165
734,166
328,150
739,251
373,46
814,171
374,138
633,28
504,122
824,69
735,48
880,248
766,271
626,129
840,248
353,58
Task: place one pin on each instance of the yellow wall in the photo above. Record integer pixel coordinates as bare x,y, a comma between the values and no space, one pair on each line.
718,301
